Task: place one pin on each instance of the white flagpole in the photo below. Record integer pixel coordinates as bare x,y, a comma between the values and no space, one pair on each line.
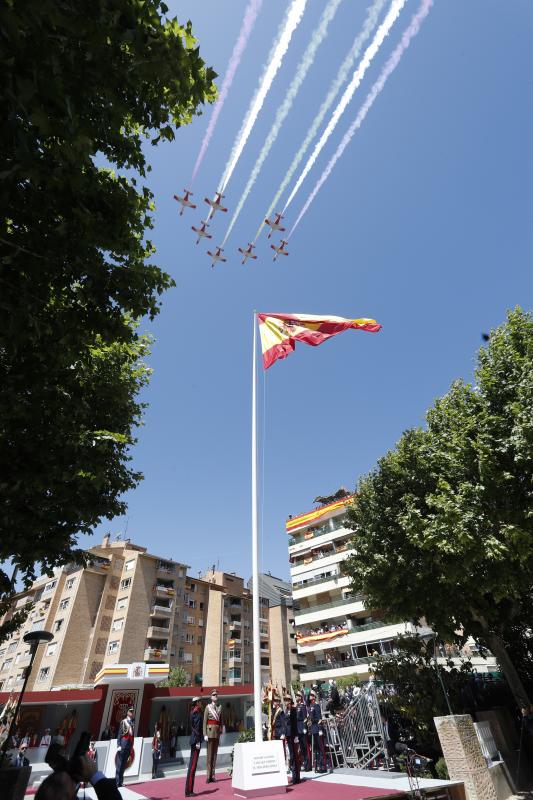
258,722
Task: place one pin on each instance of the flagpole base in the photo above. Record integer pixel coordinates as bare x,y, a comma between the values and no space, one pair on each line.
259,769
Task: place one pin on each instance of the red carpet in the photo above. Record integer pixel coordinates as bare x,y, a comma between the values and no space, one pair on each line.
174,788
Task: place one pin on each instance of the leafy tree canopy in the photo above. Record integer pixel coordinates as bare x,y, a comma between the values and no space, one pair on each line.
83,83
177,676
443,526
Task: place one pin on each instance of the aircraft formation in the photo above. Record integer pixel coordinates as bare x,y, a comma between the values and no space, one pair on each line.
370,38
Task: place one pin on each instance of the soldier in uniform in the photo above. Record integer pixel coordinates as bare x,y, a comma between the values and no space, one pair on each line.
302,713
124,745
292,738
317,734
278,721
195,742
212,729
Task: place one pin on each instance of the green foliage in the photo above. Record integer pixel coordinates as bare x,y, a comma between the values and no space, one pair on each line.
418,695
244,736
81,83
442,770
296,686
177,677
347,680
443,525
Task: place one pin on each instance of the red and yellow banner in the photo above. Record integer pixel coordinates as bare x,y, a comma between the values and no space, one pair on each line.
280,332
320,637
315,516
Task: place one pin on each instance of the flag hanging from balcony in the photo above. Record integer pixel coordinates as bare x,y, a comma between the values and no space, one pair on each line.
280,332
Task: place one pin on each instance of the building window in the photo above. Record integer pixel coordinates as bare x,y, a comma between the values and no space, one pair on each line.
19,678
70,583
192,603
58,625
234,672
50,650
122,602
64,604
13,646
189,638
200,640
129,565
49,586
43,674
117,624
7,664
37,626
265,662
234,654
126,583
190,621
112,647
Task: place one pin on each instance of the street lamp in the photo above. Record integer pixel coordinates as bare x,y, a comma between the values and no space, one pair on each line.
34,639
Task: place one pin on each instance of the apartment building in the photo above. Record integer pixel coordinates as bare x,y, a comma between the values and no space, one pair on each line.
128,605
335,631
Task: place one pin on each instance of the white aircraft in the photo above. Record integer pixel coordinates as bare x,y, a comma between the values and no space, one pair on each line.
185,202
274,224
247,253
280,249
215,204
216,255
202,232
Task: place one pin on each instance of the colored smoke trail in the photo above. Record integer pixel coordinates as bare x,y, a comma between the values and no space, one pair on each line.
290,23
409,33
385,27
301,71
250,16
342,76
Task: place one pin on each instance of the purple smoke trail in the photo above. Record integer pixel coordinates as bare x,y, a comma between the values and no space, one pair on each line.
250,16
391,64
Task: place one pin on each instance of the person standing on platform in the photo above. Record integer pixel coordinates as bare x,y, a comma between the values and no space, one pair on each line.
212,729
302,713
292,738
317,734
124,745
278,721
157,750
195,741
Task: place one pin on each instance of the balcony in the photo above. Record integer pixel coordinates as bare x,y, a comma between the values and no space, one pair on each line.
155,654
299,570
336,608
165,568
157,632
161,611
359,635
164,591
327,583
236,623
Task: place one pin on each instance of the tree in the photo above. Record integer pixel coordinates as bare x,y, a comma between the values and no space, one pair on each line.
418,689
85,87
443,525
177,677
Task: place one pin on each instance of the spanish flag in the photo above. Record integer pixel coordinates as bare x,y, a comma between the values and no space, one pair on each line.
280,332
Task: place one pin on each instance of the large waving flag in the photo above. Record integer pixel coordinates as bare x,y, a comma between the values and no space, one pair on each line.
280,332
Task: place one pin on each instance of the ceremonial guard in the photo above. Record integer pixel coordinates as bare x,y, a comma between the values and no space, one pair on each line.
317,734
278,721
195,742
124,745
292,738
212,730
302,713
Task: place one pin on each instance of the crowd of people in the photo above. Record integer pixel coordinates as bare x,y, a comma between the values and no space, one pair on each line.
320,629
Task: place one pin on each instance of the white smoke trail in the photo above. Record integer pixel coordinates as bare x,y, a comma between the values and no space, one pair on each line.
342,75
301,71
290,23
385,27
250,16
390,66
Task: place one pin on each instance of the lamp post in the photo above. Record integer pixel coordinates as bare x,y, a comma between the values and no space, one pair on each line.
34,639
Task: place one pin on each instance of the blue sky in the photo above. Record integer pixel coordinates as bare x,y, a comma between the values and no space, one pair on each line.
425,225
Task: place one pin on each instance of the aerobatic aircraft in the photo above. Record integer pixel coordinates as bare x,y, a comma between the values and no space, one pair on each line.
216,255
215,204
280,251
247,253
274,224
202,231
185,202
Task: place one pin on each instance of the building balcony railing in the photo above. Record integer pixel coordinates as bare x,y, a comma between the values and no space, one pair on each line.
155,654
164,591
165,568
343,601
158,632
161,611
316,581
348,662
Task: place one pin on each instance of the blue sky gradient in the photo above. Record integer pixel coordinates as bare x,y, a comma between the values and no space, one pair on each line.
425,224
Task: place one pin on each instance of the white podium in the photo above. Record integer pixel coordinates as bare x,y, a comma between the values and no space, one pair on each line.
259,769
